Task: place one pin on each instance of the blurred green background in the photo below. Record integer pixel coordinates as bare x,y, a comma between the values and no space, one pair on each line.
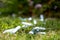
13,12
50,8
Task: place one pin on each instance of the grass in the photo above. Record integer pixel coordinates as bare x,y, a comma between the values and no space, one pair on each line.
23,36
8,22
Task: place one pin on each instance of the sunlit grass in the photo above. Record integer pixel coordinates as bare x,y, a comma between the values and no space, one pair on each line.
22,34
51,35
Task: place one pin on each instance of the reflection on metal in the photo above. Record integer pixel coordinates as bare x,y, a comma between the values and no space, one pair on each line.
30,18
37,30
41,17
35,21
13,30
27,24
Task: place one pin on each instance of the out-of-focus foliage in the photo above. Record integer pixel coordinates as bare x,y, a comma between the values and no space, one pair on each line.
49,7
9,6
